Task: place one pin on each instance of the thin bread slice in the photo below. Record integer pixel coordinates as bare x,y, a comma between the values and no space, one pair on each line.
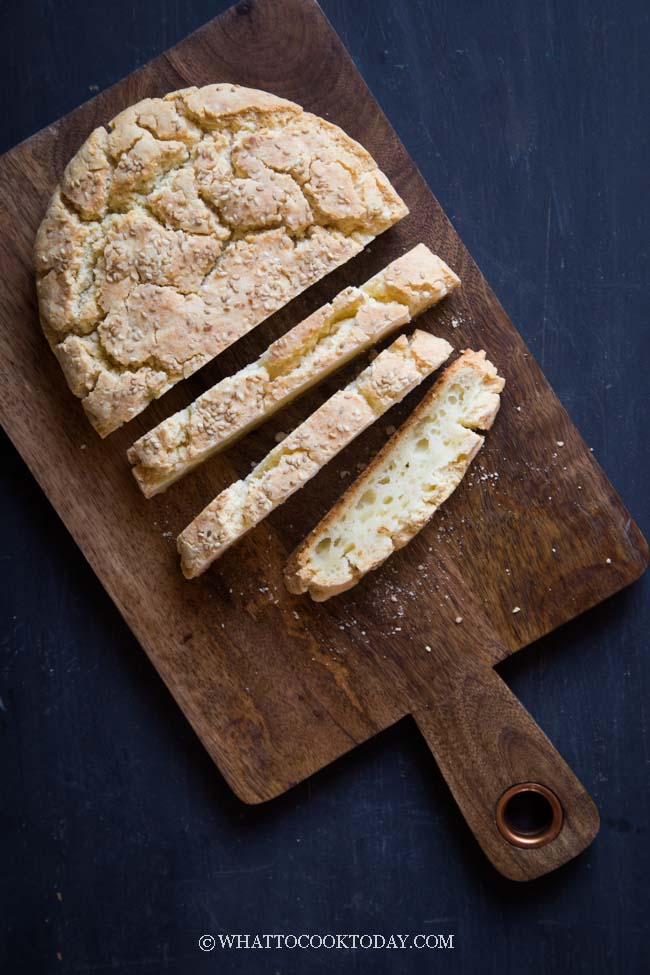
356,319
394,373
408,480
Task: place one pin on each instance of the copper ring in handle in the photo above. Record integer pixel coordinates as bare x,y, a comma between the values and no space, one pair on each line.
534,838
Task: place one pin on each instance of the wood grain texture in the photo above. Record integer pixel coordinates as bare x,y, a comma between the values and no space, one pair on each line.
275,687
485,742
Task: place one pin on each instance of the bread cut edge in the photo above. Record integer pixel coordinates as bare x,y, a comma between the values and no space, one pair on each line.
243,505
301,576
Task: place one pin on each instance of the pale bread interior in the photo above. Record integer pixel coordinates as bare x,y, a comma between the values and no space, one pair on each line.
414,474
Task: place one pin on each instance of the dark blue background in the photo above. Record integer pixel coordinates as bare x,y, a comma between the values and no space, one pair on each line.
121,844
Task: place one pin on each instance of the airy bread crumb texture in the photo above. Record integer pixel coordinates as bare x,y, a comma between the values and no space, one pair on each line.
394,373
356,319
186,222
397,494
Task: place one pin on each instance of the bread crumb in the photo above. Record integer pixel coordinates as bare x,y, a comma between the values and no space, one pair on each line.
280,436
459,619
428,648
608,561
560,443
390,431
82,446
517,609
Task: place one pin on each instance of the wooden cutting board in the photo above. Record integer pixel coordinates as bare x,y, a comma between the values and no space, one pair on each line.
275,686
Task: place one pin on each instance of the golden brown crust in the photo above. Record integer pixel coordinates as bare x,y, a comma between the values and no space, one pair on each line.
371,520
391,376
184,224
356,319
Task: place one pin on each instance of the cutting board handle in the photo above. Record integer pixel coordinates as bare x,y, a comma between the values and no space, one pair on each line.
495,759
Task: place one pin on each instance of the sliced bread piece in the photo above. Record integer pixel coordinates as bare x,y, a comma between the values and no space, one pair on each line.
346,414
356,319
420,466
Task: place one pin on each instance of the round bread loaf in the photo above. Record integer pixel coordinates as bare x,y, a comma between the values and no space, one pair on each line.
186,222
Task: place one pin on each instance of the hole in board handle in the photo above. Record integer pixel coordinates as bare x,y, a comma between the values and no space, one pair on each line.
529,815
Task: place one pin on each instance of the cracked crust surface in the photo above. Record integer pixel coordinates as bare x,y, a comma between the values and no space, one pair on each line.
326,340
186,222
394,373
408,480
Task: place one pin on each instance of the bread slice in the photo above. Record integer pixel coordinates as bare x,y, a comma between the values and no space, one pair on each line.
394,373
185,223
330,337
420,466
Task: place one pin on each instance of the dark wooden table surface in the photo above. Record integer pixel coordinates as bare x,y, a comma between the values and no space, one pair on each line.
121,844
